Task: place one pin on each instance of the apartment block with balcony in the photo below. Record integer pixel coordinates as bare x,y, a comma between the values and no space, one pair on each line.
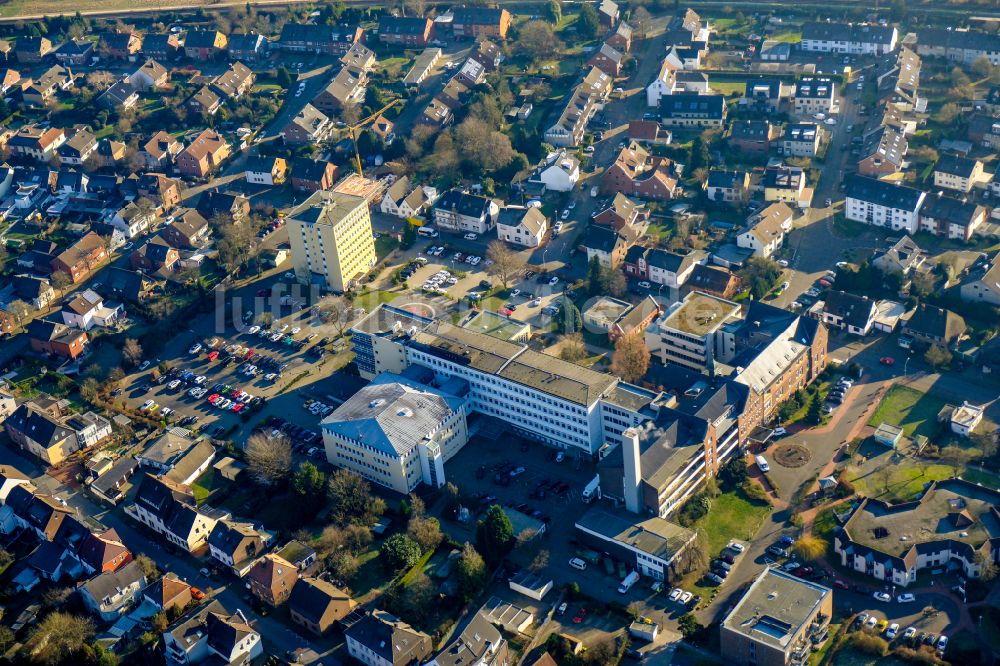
692,332
332,240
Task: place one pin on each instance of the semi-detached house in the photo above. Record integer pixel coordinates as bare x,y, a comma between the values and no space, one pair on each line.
583,103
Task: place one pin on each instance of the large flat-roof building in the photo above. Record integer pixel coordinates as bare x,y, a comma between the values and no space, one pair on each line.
692,332
776,621
332,240
650,546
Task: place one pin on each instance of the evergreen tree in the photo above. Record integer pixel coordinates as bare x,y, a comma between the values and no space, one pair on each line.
815,415
494,534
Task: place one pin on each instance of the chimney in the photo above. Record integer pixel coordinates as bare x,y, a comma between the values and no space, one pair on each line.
633,474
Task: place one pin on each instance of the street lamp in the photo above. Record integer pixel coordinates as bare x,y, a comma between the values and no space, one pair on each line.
907,361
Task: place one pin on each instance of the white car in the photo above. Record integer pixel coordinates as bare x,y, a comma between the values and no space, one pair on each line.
144,365
166,411
284,327
891,631
515,293
271,376
174,384
557,226
147,405
871,622
842,264
685,597
820,116
784,285
830,121
195,348
910,632
554,281
253,330
295,331
535,303
736,546
906,598
275,337
645,285
675,593
471,236
193,392
779,432
882,596
942,643
783,263
565,215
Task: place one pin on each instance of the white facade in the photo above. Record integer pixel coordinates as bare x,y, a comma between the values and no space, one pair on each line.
260,177
521,234
561,174
880,215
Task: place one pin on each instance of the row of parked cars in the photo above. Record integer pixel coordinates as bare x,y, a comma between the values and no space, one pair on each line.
891,631
721,566
303,439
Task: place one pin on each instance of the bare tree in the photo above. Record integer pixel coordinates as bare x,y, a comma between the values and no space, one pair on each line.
631,358
19,310
506,263
538,39
269,460
572,348
132,352
336,311
640,21
60,280
414,7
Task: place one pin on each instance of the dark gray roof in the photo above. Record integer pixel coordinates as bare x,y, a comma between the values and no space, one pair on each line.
847,32
691,104
470,205
853,309
950,210
108,583
882,193
390,638
955,165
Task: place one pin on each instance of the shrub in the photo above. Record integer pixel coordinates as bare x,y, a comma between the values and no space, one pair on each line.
867,643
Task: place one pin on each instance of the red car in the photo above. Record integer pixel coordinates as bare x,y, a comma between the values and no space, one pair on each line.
197,594
580,616
235,394
237,406
887,360
213,355
214,398
826,283
841,585
506,312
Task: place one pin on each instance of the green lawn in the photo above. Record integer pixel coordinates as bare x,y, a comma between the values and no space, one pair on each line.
913,411
732,516
905,482
207,485
385,244
990,627
728,87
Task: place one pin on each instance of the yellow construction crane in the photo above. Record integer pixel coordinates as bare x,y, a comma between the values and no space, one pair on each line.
361,124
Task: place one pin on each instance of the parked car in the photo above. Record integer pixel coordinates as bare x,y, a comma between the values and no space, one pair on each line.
882,596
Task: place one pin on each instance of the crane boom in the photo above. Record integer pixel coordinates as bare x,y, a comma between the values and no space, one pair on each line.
361,124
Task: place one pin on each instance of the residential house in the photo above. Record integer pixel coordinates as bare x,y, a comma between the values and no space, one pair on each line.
111,594
637,173
957,173
932,325
882,153
205,44
112,485
317,605
409,31
120,45
129,286
104,552
34,427
608,245
163,192
319,39
32,50
42,91
231,206
155,256
815,94
161,150
848,38
168,592
206,101
90,428
764,95
903,257
248,47
309,126
983,283
669,268
75,52
648,132
582,104
133,220
78,148
459,211
480,643
404,200
177,455
787,184
55,339
620,213
272,578
608,60
80,258
608,13
559,171
37,143
41,514
169,509
8,79
620,37
716,282
162,47
959,45
234,82
211,634
752,137
766,231
267,171
665,82
188,231
204,155
801,140
37,292
345,89
883,204
237,544
480,22
953,218
381,639
359,60
81,310
522,226
312,176
850,312
692,110
727,186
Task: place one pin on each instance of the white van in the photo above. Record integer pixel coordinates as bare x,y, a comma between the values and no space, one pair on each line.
762,464
577,563
429,232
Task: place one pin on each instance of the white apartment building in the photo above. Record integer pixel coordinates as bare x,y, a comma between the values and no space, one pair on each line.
332,240
815,94
692,332
848,38
883,204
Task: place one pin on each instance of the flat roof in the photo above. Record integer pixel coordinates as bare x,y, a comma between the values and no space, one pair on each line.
952,510
700,314
654,536
497,326
775,608
607,309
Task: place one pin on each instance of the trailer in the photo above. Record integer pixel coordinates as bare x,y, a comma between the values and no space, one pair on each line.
592,490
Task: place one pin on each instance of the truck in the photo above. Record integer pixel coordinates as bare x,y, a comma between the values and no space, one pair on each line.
592,490
628,582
